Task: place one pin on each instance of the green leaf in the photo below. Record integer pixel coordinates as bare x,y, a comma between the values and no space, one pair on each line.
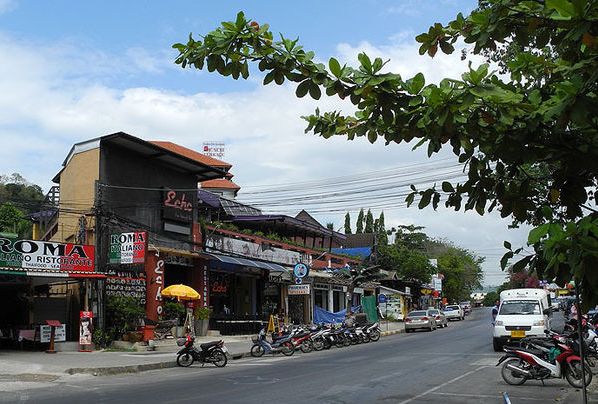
447,187
564,7
505,259
535,235
507,245
409,199
365,61
335,67
418,82
372,136
314,90
303,88
269,77
447,47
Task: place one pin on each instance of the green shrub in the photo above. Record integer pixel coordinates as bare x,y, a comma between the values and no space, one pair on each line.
123,314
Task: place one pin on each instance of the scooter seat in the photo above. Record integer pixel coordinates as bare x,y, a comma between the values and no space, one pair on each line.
208,345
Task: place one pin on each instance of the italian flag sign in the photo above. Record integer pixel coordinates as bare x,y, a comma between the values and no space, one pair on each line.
127,248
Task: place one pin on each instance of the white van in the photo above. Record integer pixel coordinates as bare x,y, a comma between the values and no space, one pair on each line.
522,313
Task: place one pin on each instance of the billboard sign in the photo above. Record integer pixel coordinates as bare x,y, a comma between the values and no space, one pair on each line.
45,255
127,248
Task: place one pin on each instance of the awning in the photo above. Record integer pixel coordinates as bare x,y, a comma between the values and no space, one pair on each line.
246,262
48,273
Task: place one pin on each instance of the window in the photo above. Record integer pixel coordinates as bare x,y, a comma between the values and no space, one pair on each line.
338,301
321,298
519,307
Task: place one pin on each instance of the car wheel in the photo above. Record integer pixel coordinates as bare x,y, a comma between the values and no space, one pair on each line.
497,345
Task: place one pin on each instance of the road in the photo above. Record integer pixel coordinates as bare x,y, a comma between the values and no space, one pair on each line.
452,365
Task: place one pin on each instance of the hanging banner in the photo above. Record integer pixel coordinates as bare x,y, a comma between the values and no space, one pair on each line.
45,255
127,248
85,327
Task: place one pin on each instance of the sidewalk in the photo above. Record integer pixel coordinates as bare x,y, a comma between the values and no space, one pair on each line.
32,365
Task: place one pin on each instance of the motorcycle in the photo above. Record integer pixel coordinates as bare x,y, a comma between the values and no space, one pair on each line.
373,331
261,346
541,359
210,352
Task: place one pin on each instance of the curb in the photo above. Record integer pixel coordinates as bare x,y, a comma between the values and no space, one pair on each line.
393,332
115,370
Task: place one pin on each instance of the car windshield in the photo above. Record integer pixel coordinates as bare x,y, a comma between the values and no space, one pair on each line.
417,314
512,307
450,308
433,312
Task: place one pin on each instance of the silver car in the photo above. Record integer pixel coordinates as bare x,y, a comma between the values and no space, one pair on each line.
420,319
440,318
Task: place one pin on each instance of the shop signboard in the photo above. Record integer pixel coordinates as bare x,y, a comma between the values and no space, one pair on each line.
45,255
248,249
127,248
302,289
45,332
126,283
178,206
437,283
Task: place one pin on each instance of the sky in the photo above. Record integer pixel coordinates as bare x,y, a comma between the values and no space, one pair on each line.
76,70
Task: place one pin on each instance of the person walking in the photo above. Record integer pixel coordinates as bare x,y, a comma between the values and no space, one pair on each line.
495,311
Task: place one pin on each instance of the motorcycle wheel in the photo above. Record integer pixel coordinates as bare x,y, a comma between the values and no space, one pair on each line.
327,344
347,341
287,349
318,344
375,335
511,377
185,360
218,358
573,374
307,346
257,351
365,338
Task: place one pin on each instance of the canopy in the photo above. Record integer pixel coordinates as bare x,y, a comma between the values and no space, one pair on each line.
181,292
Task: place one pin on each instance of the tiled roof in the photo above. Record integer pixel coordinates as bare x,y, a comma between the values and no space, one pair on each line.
220,184
192,154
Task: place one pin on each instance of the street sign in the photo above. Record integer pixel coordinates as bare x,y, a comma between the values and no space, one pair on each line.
382,298
298,281
300,270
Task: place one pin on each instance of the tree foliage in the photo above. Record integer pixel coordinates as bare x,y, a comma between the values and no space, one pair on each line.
348,223
541,119
369,222
461,268
360,222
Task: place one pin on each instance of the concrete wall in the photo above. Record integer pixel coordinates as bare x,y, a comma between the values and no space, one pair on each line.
77,192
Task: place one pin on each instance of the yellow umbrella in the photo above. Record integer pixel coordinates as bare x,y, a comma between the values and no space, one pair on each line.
181,292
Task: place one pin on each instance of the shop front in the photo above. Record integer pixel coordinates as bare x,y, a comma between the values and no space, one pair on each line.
44,281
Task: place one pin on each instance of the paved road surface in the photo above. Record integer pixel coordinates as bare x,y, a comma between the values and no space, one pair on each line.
453,365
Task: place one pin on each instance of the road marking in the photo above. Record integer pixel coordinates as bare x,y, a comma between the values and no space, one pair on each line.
486,396
433,389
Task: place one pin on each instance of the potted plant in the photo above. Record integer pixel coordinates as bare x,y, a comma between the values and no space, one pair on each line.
201,316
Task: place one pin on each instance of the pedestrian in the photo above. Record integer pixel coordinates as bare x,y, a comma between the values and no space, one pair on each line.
495,311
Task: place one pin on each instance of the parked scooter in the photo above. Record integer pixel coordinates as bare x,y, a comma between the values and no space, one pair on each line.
372,331
542,359
210,352
261,345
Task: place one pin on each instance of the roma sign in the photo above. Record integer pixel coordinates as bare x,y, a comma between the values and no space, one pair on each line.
127,248
44,255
